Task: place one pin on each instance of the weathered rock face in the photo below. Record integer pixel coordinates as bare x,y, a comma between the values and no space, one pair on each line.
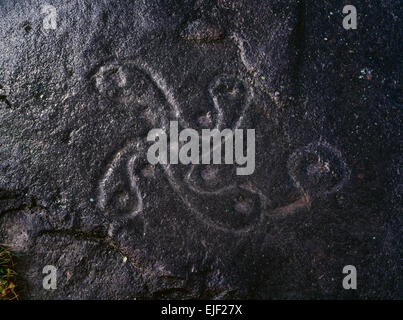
77,191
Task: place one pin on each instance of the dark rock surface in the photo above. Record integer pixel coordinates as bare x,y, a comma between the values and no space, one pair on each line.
77,192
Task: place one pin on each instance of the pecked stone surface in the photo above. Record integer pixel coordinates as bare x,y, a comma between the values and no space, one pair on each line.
77,192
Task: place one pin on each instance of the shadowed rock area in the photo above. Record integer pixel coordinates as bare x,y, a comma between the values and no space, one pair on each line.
77,191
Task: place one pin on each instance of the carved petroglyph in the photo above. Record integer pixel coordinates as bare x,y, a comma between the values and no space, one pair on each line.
119,193
206,190
123,82
210,178
119,190
318,169
233,207
230,98
213,193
